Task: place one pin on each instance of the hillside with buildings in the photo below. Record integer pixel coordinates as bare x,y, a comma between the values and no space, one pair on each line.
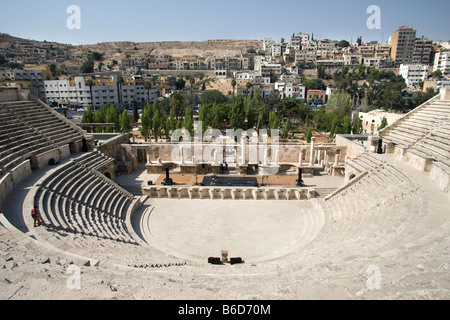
304,69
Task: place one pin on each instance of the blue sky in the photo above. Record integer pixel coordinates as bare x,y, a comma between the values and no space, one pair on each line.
198,20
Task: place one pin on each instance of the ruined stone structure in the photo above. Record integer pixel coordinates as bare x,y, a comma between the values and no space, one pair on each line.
386,215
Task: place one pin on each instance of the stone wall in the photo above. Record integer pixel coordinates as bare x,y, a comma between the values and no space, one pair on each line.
441,175
353,148
119,149
41,160
13,178
288,153
230,193
8,95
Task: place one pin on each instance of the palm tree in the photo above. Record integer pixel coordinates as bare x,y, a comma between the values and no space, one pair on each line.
90,84
176,102
120,82
233,84
249,85
148,86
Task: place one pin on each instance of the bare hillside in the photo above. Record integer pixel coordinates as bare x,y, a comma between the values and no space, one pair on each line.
210,48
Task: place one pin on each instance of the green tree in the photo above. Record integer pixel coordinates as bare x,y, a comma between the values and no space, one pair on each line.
188,122
309,135
53,69
111,117
125,123
274,122
357,126
217,120
237,114
204,116
88,116
88,65
176,102
135,112
347,125
286,129
384,124
343,44
97,56
180,83
156,124
146,121
213,96
321,71
171,121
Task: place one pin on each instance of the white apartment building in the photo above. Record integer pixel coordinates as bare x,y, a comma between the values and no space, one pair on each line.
253,77
267,45
442,62
299,40
353,59
75,92
68,92
289,90
276,50
310,46
326,45
413,74
372,62
305,57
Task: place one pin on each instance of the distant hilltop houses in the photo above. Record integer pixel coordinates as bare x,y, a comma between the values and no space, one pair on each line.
82,76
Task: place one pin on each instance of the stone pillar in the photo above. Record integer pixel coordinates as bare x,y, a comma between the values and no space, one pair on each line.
300,159
336,159
149,161
311,155
243,150
277,158
215,158
266,156
182,155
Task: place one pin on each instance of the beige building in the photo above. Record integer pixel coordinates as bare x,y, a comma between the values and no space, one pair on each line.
316,96
371,121
403,43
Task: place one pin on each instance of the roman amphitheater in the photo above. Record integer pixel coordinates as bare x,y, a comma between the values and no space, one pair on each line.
125,220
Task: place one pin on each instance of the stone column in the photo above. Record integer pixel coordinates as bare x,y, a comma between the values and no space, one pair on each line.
300,159
266,156
182,155
336,159
243,150
277,158
311,155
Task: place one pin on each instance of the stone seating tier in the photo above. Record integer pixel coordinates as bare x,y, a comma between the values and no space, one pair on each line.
68,203
29,129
